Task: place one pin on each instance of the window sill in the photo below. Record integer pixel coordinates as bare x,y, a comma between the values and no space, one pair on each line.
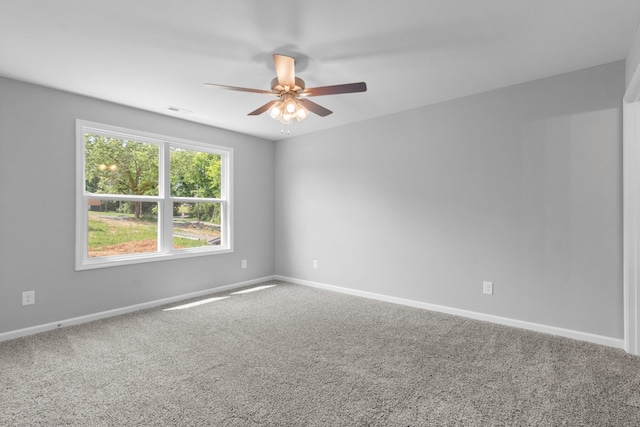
115,261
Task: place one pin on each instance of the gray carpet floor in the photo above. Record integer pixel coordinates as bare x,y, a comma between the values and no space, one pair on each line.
296,356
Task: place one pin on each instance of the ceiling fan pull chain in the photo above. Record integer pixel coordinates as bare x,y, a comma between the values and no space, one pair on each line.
282,128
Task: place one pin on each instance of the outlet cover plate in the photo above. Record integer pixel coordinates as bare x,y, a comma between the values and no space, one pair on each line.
487,288
28,297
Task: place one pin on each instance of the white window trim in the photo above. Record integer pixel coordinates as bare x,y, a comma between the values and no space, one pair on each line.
164,199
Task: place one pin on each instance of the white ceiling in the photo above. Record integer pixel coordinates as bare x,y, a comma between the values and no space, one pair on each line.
153,54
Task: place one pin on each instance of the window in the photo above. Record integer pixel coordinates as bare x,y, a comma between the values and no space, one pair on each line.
144,197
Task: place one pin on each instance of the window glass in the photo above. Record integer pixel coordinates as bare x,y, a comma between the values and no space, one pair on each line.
118,227
195,173
120,166
196,224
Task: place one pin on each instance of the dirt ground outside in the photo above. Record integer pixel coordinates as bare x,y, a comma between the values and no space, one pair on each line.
188,230
141,246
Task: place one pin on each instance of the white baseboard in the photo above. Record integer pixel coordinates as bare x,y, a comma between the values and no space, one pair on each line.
567,333
118,311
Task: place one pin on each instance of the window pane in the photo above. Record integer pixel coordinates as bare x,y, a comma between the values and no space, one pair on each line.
121,227
196,224
120,166
195,173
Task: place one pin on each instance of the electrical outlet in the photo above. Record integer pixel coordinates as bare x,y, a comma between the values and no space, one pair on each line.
244,263
28,297
487,288
315,264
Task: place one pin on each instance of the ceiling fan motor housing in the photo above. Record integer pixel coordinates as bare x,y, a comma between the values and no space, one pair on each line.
276,86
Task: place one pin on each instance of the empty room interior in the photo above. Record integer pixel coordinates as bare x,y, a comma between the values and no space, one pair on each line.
320,213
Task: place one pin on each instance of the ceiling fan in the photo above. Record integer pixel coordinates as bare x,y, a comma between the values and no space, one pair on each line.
292,103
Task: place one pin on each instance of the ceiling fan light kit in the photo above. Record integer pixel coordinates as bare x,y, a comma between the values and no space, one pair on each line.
288,109
292,103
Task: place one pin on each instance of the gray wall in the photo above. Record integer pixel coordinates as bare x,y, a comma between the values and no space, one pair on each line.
37,194
521,186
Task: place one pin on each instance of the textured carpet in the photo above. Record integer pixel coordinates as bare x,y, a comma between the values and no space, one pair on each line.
296,356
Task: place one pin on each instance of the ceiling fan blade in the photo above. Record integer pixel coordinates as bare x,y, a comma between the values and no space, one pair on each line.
285,70
335,89
239,89
314,108
262,109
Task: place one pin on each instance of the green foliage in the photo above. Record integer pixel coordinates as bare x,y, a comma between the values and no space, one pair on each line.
195,174
140,210
182,243
205,212
119,166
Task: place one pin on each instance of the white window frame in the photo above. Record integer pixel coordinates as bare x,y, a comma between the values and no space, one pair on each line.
631,214
164,199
